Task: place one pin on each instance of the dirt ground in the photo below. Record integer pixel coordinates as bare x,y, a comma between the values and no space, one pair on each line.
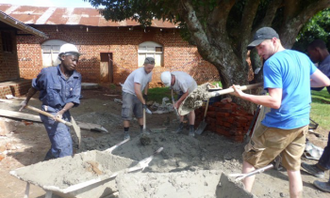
28,143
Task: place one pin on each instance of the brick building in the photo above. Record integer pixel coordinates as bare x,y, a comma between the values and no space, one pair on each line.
10,81
111,50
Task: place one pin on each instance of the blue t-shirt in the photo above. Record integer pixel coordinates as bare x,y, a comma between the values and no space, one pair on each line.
289,70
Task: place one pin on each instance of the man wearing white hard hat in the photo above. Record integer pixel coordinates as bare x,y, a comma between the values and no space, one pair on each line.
183,84
135,90
59,88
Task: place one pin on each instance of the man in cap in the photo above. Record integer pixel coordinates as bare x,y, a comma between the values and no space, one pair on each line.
183,84
288,76
135,91
59,88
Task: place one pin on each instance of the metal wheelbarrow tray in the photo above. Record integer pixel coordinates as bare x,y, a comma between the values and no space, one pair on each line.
85,175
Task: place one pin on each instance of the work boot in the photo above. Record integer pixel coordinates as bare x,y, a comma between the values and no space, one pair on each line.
126,135
324,186
313,170
180,128
191,131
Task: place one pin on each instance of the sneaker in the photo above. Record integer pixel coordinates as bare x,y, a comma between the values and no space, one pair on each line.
313,170
324,186
126,135
180,128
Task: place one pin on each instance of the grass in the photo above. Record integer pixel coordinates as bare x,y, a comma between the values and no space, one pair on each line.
321,108
157,94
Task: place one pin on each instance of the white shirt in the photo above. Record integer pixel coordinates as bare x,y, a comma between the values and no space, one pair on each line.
183,82
137,76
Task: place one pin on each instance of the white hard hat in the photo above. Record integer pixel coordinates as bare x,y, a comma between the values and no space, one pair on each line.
166,78
69,48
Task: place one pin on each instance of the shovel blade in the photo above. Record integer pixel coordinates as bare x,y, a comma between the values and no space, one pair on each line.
200,129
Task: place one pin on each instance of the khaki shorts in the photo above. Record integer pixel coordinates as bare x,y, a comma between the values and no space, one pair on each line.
131,104
267,143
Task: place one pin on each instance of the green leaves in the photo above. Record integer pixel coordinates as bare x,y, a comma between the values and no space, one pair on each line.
318,27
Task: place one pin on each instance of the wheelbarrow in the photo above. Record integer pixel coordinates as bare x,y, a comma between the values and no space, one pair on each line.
85,175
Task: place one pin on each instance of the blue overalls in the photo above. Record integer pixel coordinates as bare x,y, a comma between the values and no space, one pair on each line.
55,92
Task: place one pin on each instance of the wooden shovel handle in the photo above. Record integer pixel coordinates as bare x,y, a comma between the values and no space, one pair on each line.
231,90
48,114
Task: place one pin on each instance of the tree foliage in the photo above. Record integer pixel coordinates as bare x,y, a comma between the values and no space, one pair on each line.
318,27
221,29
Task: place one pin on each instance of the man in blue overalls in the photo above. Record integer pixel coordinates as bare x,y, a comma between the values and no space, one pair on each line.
60,88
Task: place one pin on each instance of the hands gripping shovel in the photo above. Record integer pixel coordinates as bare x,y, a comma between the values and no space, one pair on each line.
76,128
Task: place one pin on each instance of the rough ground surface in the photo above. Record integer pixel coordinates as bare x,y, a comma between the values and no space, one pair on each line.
28,143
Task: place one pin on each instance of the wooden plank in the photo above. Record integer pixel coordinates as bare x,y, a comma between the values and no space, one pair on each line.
35,118
19,115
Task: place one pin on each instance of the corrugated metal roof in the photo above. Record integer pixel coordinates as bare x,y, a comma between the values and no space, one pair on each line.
19,25
69,16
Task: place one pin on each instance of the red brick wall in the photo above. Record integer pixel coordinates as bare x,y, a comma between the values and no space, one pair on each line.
15,88
228,119
123,44
8,60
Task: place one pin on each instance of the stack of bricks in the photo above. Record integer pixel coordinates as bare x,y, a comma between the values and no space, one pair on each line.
228,119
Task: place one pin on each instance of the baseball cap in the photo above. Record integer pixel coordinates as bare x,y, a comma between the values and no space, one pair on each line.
149,60
261,35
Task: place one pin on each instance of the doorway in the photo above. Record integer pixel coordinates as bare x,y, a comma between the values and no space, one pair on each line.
106,67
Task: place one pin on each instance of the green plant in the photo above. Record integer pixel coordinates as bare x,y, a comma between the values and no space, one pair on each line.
112,86
157,94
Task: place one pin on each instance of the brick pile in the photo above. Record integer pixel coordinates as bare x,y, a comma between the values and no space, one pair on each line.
228,119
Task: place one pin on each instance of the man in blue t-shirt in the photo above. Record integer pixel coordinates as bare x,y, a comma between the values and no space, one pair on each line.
288,76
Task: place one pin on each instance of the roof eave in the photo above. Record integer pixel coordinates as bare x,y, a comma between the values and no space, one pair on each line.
21,26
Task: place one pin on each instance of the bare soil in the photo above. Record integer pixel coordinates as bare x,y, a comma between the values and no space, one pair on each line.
28,143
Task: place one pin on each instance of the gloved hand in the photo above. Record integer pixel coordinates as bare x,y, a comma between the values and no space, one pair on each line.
23,105
145,97
146,108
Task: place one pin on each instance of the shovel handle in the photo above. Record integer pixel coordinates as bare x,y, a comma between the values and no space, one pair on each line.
48,114
206,107
231,90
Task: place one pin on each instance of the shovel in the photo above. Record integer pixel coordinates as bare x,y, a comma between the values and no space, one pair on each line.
203,124
176,111
240,176
76,128
144,129
116,146
195,99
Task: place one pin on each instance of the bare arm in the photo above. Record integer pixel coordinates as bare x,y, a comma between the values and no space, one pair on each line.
29,95
138,93
178,103
145,91
318,79
273,100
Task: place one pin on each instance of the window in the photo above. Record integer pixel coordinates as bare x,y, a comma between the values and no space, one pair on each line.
7,42
151,49
50,50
